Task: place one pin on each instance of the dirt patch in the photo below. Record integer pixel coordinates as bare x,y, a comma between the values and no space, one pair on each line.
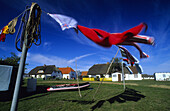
115,83
160,86
134,84
57,82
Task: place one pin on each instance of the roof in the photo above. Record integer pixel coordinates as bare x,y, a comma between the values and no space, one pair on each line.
102,69
84,73
98,69
66,70
134,70
46,69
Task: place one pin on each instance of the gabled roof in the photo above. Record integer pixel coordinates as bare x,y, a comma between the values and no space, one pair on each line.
84,73
46,69
66,70
134,70
98,69
102,69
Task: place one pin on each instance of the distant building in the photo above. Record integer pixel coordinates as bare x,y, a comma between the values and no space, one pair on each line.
162,76
45,72
84,73
68,73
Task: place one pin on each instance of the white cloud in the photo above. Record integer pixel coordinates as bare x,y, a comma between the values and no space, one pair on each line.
3,48
80,57
39,59
46,44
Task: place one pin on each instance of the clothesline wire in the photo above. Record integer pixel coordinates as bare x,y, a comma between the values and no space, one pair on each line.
23,12
45,12
29,9
106,73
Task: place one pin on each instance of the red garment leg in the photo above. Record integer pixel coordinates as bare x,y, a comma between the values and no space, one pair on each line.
136,30
93,35
142,54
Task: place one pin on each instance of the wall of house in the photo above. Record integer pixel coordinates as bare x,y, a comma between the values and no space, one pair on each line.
115,76
66,76
98,75
162,76
57,74
73,75
32,76
107,76
127,76
133,77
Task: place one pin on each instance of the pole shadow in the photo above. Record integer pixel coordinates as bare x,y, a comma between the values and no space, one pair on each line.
128,95
40,89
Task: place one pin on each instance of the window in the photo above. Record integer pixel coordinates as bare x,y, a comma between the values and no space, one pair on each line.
164,75
114,75
40,71
135,75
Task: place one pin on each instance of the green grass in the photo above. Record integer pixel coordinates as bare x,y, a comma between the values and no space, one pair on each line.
110,97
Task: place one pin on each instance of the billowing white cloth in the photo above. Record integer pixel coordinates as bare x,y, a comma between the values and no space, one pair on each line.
64,21
5,77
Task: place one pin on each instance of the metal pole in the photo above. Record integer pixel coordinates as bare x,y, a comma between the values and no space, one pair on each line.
78,80
123,77
19,76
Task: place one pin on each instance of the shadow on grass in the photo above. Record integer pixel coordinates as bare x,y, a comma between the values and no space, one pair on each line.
127,95
7,96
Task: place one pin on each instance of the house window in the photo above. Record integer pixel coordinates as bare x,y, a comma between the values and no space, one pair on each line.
164,75
40,71
135,75
114,75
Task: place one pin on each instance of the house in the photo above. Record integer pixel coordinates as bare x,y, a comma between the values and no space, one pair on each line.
145,76
45,72
98,71
68,73
162,76
115,72
84,73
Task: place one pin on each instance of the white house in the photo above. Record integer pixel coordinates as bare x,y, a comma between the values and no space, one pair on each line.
117,76
68,73
162,76
45,72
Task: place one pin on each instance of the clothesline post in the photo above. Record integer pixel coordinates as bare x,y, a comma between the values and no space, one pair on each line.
77,79
123,77
19,76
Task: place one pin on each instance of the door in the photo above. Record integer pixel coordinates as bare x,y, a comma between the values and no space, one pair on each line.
119,78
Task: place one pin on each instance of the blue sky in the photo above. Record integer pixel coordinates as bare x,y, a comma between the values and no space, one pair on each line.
61,48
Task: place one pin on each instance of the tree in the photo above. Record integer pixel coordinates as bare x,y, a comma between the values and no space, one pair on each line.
116,66
13,60
117,60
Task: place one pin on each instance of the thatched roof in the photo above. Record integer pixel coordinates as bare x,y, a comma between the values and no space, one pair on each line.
46,69
102,69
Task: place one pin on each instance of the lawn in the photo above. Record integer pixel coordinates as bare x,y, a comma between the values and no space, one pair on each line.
110,97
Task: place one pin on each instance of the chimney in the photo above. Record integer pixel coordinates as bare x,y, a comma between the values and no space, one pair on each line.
44,65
